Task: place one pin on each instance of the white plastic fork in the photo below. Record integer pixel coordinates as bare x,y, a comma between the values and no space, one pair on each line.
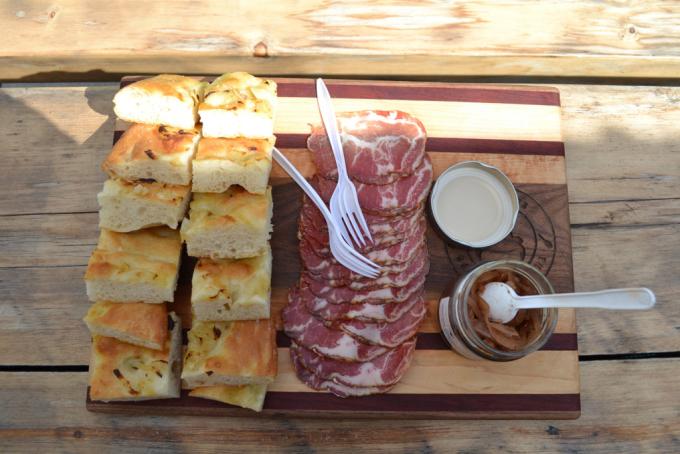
343,251
344,202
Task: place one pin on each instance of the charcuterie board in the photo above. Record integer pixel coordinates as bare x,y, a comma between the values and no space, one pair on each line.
514,128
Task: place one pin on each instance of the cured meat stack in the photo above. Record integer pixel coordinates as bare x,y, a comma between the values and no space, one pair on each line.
353,335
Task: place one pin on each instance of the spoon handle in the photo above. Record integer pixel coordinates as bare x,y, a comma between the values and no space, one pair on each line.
624,298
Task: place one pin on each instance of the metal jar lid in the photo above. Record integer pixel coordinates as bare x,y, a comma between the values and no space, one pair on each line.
494,182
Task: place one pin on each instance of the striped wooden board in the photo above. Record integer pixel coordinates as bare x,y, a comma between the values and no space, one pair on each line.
514,128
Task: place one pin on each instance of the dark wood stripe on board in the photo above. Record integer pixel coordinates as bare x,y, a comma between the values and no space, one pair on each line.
558,341
424,402
386,405
443,92
434,341
452,145
501,146
384,90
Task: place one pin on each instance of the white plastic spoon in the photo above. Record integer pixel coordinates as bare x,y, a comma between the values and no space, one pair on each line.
504,302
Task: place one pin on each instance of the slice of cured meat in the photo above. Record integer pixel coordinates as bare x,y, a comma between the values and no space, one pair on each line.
388,334
310,332
329,268
345,295
315,382
419,265
367,312
379,146
385,370
397,253
319,238
377,224
402,195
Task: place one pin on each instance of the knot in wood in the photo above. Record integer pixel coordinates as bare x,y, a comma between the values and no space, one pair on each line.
260,50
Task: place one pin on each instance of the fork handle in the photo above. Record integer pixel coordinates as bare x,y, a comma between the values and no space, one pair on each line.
304,184
330,123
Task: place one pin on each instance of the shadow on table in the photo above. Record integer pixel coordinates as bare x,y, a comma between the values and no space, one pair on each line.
28,181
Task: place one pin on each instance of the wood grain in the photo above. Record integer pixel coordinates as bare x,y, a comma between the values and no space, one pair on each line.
626,408
482,37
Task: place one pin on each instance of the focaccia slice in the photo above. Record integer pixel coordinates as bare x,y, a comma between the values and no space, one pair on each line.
231,224
245,396
166,99
230,353
239,105
135,266
126,206
221,163
232,289
153,152
120,371
136,323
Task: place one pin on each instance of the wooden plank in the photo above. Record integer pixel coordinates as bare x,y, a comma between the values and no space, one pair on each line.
622,143
54,141
626,408
42,308
482,37
48,240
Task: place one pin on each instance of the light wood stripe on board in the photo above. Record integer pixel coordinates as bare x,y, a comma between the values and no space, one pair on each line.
521,169
445,372
441,119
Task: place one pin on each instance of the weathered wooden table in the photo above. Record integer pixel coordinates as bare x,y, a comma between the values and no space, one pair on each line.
623,156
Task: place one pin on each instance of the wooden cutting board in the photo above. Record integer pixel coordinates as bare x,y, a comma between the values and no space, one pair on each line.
514,128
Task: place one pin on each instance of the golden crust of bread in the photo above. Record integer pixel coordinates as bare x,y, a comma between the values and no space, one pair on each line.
137,323
157,243
234,206
135,266
129,268
246,396
186,89
240,91
242,151
143,143
163,193
122,371
236,286
240,352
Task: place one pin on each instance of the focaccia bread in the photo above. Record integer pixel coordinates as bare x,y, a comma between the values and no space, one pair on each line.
232,289
136,266
245,396
230,353
239,105
136,323
120,371
166,99
231,224
153,152
221,163
126,206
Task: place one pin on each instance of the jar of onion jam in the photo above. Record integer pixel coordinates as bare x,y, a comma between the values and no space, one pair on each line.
464,321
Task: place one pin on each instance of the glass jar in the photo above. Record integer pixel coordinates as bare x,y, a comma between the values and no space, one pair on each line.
456,325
